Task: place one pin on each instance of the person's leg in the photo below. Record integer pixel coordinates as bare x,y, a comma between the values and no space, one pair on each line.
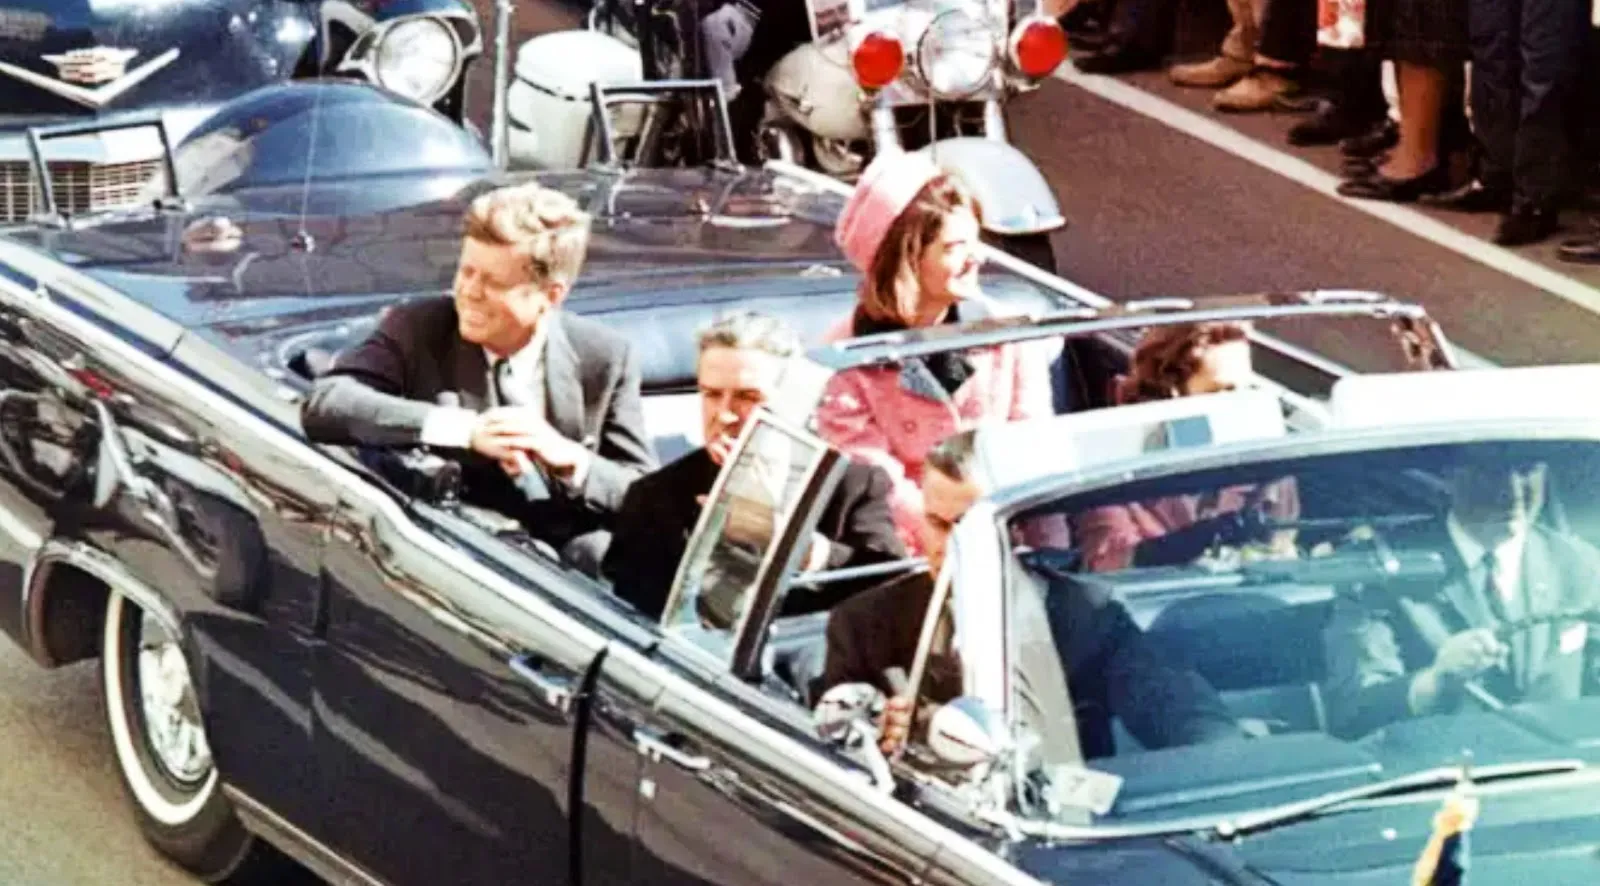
1138,35
1355,104
1235,59
1492,27
1288,39
1551,47
1413,168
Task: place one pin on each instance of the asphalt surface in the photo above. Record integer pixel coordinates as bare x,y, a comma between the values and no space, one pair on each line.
63,819
1153,212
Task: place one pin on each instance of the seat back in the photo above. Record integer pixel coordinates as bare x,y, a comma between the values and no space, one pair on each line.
1274,679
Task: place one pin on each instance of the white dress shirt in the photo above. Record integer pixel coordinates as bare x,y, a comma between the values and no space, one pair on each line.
451,426
1507,562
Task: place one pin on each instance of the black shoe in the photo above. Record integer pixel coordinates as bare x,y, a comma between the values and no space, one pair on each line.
1331,124
1393,190
1381,138
1474,196
1526,223
1360,167
1116,60
1583,251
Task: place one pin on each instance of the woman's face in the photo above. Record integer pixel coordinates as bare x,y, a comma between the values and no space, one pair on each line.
1223,367
948,271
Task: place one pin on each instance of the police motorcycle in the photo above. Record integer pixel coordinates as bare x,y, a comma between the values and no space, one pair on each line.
876,75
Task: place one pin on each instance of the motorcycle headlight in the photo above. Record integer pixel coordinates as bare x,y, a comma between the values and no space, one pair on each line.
418,58
958,53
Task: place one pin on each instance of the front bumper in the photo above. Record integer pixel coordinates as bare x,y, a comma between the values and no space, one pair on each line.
89,173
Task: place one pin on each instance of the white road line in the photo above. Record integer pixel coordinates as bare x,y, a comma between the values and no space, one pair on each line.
1410,220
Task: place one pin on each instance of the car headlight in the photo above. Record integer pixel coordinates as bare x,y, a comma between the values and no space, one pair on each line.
418,58
958,53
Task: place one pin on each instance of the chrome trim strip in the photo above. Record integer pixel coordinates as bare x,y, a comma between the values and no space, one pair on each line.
306,849
100,96
809,766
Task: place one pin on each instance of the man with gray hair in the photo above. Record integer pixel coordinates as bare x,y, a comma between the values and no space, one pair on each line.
740,362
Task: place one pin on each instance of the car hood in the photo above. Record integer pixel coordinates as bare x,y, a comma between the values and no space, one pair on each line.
1549,825
223,48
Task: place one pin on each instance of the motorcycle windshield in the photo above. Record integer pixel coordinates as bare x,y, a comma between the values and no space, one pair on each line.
831,18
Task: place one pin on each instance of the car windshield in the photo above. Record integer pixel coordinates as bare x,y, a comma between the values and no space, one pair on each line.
1234,637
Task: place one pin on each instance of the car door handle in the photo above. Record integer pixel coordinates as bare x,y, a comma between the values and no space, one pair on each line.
555,692
658,747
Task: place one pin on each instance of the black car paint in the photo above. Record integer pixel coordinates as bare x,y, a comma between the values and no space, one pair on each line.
226,48
395,706
344,674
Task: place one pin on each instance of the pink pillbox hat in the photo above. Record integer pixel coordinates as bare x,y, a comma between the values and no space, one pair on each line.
885,189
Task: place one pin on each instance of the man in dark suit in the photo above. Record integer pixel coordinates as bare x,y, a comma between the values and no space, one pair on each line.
740,361
1111,669
1417,652
541,408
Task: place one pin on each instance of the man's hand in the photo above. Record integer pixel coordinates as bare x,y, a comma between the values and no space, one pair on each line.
1464,656
502,433
1470,653
895,726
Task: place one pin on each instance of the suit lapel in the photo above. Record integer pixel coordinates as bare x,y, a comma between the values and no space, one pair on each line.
563,390
469,373
1541,585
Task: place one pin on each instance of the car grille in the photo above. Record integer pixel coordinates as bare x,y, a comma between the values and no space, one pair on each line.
80,187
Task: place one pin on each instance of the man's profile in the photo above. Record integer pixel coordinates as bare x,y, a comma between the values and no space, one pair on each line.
541,407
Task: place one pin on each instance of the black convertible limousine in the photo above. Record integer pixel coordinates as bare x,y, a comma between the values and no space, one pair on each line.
392,687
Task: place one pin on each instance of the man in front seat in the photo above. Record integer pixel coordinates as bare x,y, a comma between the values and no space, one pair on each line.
541,408
740,361
1111,669
1417,654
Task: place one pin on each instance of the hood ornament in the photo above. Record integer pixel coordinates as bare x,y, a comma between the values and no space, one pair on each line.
92,67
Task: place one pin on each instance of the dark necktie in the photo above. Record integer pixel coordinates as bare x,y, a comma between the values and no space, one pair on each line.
532,482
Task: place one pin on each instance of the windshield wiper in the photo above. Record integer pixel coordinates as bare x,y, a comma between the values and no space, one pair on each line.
1441,777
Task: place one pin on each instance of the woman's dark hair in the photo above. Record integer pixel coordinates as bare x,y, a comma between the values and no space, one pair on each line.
1168,356
884,296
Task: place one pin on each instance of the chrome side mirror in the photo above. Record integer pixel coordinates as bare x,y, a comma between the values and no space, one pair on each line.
966,734
847,718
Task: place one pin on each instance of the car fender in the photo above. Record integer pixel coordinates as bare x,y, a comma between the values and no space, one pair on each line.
1014,195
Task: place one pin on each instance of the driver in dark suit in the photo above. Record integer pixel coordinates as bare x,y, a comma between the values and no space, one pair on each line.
1417,652
1111,669
541,408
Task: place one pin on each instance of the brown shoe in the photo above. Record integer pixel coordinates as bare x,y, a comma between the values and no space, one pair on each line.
1258,92
1213,74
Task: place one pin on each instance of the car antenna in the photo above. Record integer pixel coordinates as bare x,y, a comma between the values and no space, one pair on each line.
302,241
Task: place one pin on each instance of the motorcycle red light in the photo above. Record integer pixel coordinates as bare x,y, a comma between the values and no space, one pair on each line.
1038,47
878,60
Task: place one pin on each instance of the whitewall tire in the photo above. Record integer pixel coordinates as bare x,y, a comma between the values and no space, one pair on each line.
161,750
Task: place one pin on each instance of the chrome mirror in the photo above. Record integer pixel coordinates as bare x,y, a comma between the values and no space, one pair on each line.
966,734
847,718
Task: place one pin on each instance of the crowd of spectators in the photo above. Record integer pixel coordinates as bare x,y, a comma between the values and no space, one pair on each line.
1465,105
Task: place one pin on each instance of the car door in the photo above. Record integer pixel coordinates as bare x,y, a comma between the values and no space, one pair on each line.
446,705
733,786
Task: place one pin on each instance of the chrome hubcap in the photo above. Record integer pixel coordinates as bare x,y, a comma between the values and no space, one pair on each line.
171,713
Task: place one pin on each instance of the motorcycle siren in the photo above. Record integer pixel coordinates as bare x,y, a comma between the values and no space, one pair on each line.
1038,47
877,57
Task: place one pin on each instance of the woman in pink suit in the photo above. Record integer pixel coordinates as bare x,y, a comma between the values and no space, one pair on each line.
912,230
1184,360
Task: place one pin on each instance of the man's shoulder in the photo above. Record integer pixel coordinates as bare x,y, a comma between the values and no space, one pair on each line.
906,596
590,337
423,314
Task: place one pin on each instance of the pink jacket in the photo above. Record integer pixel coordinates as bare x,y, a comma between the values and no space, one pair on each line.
889,418
1110,534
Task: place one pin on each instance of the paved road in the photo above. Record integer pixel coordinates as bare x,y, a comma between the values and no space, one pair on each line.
65,822
1155,211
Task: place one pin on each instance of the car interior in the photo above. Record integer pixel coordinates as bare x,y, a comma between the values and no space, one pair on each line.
1259,640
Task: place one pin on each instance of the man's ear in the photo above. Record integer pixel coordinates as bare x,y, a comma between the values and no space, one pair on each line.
556,291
